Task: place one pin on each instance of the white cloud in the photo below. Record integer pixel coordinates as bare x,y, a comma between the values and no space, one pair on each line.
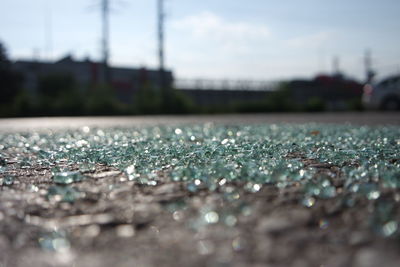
236,36
208,45
310,41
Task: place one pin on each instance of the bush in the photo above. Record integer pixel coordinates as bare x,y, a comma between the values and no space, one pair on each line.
276,101
147,100
355,104
101,100
10,85
315,104
58,95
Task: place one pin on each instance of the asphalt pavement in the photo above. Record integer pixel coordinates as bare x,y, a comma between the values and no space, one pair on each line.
58,210
44,123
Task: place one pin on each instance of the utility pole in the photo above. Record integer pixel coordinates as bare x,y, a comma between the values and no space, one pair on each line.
335,65
105,9
161,17
369,72
163,84
48,30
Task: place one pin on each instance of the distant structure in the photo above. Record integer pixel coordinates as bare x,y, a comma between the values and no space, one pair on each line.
206,92
227,85
336,66
105,75
48,31
104,7
369,72
160,17
163,84
87,73
336,91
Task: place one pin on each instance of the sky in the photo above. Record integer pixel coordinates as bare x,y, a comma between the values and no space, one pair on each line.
215,39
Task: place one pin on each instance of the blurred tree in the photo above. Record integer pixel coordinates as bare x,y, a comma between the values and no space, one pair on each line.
59,94
101,100
180,104
54,85
315,104
10,80
147,100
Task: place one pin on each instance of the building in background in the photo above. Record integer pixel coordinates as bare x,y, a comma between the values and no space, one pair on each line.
335,92
140,86
87,74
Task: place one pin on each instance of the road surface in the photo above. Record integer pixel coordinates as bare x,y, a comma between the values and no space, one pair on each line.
356,118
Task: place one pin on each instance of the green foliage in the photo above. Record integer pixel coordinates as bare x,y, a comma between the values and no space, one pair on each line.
101,100
180,104
277,101
147,100
23,105
54,85
315,104
10,82
280,100
150,100
355,104
59,95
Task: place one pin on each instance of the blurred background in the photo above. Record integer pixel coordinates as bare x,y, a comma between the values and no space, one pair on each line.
126,57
